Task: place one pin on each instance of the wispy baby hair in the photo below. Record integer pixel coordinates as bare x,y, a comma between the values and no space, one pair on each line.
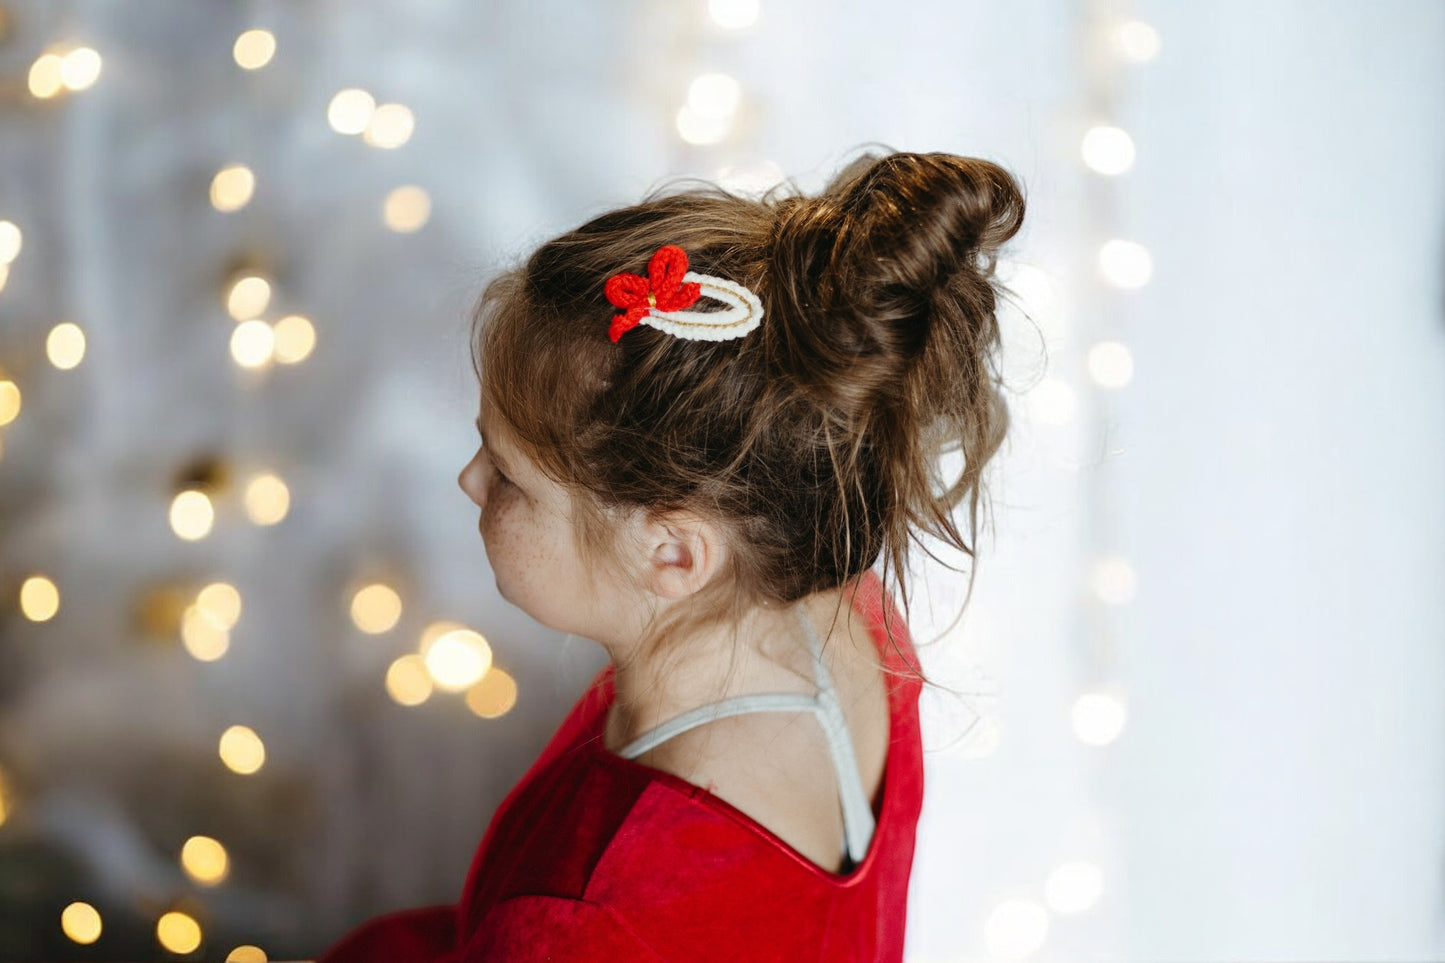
814,442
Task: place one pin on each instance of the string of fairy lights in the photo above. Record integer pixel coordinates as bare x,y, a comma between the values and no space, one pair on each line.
449,656
452,657
1018,928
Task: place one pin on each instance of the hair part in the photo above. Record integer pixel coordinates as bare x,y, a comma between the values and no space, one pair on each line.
813,443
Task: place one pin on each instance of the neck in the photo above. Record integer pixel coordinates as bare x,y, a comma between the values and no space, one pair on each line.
766,652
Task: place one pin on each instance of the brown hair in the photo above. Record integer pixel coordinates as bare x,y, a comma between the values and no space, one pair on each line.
813,442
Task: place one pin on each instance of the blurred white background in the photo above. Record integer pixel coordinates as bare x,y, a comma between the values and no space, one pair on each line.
1203,665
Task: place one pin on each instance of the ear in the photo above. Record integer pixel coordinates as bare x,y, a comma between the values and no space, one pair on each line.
684,550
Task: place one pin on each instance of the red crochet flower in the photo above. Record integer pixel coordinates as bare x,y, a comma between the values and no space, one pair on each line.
662,289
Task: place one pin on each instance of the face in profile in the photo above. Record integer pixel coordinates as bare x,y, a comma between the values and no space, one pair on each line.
526,527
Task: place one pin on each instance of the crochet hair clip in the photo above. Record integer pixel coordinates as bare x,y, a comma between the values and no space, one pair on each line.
660,298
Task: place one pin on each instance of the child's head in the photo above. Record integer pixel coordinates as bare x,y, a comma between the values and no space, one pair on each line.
809,447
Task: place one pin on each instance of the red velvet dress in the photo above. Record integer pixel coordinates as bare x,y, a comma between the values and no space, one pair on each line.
594,857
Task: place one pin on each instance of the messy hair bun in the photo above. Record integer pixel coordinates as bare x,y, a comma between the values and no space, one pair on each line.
815,441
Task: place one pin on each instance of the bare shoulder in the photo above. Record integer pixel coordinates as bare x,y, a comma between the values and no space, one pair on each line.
776,767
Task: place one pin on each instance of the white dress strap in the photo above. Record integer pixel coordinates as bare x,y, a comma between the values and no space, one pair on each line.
736,706
858,822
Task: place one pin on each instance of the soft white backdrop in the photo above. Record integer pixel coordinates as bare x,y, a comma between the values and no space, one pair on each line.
1273,471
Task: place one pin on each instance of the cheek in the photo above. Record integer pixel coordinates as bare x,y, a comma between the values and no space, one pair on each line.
522,544
503,522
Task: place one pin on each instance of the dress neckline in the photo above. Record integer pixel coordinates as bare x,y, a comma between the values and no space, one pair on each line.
867,599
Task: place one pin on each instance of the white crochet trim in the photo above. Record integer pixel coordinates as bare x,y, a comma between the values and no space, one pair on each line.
744,312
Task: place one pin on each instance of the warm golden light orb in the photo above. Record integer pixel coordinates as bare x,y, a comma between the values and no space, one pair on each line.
192,514
221,601
65,345
267,499
406,209
80,68
407,681
242,750
80,922
203,634
9,401
457,659
39,599
45,79
376,608
254,49
494,695
232,187
391,125
248,297
178,932
295,338
204,860
11,240
253,344
350,110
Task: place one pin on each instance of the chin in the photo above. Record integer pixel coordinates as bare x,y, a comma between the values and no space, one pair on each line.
512,601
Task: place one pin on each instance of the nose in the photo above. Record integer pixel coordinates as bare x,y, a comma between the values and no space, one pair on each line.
470,480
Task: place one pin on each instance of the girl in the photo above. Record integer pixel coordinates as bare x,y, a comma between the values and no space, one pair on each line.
704,420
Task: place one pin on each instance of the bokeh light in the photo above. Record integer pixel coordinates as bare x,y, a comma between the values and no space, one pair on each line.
39,598
9,401
253,343
246,953
350,110
1110,364
1125,264
295,337
407,680
80,922
11,240
65,345
406,209
714,95
205,635
494,695
178,932
222,602
232,187
391,125
1098,718
44,79
701,129
1107,150
1112,579
254,49
376,608
204,859
192,514
248,297
1136,41
267,499
242,750
457,659
80,68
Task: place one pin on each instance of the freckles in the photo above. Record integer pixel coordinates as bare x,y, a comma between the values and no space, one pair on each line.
512,542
